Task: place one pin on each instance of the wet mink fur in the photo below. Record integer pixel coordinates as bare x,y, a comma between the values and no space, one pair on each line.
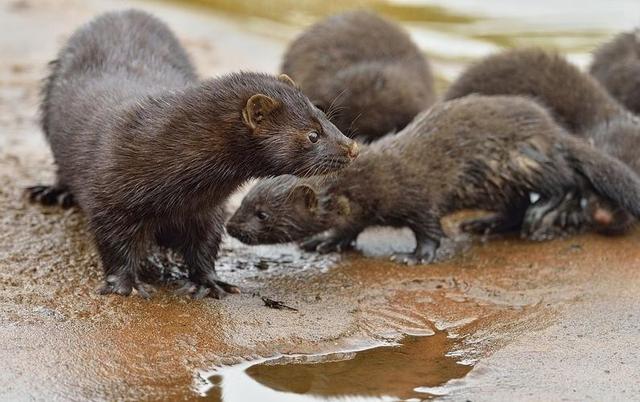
579,103
364,71
150,153
480,152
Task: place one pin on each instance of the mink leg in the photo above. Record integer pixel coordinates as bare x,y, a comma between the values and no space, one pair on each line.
121,257
200,252
428,233
331,240
499,222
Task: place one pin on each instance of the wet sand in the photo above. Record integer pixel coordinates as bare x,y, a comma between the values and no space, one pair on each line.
536,321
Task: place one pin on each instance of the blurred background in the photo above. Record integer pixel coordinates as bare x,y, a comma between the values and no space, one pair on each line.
454,32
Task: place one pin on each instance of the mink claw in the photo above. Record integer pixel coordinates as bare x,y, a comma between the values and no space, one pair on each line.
144,290
310,244
201,292
51,195
228,287
217,289
116,284
123,286
194,290
408,259
109,288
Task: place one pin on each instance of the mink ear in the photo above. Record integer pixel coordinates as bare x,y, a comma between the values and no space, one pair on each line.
288,80
344,206
257,109
306,195
339,204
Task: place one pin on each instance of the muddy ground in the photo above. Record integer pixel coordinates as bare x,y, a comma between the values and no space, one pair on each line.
550,321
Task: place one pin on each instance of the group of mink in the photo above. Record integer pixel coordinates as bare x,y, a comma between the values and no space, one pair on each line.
150,152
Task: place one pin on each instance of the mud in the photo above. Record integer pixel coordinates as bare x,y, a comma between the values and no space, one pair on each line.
531,321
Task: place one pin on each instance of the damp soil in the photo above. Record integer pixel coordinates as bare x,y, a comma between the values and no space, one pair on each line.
494,319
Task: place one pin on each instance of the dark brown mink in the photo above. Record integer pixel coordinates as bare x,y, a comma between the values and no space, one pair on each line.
579,103
480,152
150,153
364,71
616,64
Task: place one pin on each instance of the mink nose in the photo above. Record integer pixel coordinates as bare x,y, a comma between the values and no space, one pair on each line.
233,230
238,235
352,149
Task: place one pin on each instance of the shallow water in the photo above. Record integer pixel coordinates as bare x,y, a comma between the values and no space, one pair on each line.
405,370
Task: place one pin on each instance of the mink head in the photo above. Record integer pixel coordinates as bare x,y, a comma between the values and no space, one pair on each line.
277,210
371,100
291,135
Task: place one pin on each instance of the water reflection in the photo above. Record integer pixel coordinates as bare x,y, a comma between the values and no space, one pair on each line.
402,371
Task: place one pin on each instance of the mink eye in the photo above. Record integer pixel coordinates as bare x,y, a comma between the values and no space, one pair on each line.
261,215
313,137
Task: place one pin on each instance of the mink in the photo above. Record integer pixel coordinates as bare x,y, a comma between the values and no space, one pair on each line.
150,153
581,105
478,152
364,71
616,65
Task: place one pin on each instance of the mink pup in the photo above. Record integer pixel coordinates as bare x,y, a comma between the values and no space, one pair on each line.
616,64
480,152
579,103
150,154
364,71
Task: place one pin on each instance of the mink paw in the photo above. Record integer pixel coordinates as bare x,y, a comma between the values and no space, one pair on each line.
211,287
554,218
425,253
412,259
406,259
51,195
326,243
123,286
563,224
478,227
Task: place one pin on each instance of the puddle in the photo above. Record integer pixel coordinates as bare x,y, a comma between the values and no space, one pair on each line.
407,370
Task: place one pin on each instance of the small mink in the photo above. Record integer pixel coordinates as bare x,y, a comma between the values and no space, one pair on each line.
150,153
479,152
364,71
580,104
616,64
